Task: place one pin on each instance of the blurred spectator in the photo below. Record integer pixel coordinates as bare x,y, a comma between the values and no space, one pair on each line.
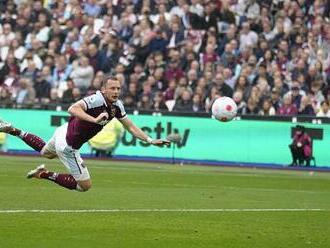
82,73
192,78
296,94
61,71
25,94
262,73
175,35
243,86
197,105
173,71
131,96
15,47
53,100
248,38
30,72
306,107
267,108
221,86
92,8
145,103
97,59
7,35
158,43
182,86
184,103
251,107
259,48
238,98
76,95
209,56
5,98
170,91
324,110
288,108
67,96
275,99
42,85
96,84
158,102
10,67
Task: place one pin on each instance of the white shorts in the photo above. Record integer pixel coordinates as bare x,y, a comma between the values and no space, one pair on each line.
69,157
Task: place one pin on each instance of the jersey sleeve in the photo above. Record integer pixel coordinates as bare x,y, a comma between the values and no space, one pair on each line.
93,101
121,113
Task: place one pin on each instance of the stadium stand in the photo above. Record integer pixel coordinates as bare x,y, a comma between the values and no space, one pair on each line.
273,57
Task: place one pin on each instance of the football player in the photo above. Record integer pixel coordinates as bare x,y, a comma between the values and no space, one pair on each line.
88,116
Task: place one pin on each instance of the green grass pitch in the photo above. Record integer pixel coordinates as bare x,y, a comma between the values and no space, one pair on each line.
163,205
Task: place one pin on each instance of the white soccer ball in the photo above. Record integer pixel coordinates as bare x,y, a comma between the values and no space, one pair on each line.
224,109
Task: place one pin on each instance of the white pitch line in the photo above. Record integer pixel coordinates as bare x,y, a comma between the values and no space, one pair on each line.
13,211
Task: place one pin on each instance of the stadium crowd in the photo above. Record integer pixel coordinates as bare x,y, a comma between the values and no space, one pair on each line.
272,57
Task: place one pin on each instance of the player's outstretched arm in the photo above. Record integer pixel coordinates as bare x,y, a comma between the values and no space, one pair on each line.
78,109
137,132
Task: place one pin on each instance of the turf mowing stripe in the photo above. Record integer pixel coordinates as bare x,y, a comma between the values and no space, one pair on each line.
13,211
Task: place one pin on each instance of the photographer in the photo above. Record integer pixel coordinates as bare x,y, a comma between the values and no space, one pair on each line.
301,147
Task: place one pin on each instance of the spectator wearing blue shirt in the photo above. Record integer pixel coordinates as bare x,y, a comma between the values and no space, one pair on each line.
91,8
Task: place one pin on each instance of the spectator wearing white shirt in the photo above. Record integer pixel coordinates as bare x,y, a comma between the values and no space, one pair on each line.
42,28
246,8
31,56
252,9
7,35
196,7
248,38
178,9
41,33
267,31
324,110
82,74
161,11
15,47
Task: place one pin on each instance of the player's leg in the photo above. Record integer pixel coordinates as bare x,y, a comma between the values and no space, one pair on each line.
49,150
79,178
65,180
30,139
78,171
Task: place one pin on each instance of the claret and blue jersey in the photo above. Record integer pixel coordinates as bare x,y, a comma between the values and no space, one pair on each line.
80,131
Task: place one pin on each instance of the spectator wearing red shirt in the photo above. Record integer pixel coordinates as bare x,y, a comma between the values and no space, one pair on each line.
288,107
173,71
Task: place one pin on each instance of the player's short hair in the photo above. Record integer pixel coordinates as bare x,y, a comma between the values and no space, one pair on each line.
111,78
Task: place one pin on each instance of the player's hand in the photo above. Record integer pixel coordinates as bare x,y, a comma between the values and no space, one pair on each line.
101,118
160,142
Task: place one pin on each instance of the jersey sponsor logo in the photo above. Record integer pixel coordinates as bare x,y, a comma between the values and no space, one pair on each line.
112,112
91,99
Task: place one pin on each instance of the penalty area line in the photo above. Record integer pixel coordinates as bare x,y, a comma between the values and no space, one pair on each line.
13,211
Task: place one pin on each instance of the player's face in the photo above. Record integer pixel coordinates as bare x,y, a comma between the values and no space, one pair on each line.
112,90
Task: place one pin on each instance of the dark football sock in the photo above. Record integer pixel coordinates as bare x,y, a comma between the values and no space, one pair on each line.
15,132
51,176
64,180
33,141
